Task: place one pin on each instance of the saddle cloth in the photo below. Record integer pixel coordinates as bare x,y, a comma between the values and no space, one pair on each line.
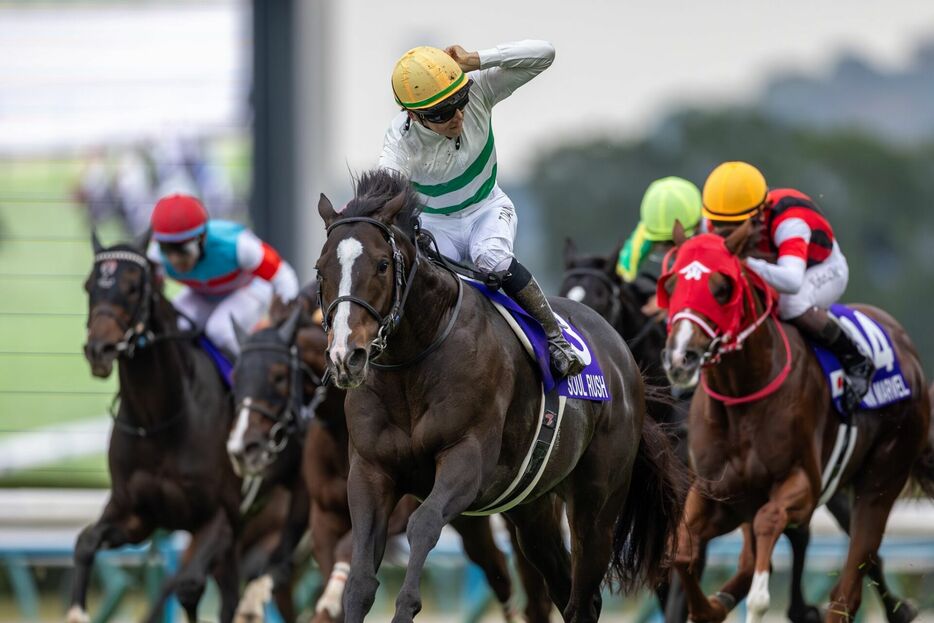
588,385
888,384
221,362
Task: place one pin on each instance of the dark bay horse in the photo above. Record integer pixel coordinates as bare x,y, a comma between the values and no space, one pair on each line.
444,404
273,363
761,458
593,280
166,459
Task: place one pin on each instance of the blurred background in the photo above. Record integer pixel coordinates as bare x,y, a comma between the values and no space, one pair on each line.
257,107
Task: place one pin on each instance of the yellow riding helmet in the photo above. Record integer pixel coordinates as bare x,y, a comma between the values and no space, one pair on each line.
734,191
668,200
424,77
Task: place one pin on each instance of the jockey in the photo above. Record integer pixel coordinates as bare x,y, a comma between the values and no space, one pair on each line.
442,140
218,262
666,201
809,270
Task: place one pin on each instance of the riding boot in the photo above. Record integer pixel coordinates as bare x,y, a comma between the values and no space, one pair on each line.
519,284
857,366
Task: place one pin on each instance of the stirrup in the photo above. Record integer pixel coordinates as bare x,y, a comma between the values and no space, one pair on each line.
564,358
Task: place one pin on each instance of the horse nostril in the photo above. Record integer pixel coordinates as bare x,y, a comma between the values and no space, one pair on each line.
691,357
356,360
251,447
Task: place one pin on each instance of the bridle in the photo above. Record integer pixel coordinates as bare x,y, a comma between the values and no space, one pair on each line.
289,420
402,287
604,278
136,331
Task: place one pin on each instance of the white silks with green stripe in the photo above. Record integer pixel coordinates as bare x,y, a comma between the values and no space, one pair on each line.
451,176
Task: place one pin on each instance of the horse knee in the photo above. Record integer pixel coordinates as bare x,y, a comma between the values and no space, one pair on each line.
89,541
770,520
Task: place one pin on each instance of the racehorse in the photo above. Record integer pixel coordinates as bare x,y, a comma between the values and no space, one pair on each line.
445,403
167,462
763,429
272,364
593,280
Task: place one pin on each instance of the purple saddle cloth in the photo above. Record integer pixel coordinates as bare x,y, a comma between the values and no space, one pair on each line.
588,385
888,383
223,365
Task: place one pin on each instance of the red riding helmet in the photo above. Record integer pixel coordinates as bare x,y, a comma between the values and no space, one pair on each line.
177,218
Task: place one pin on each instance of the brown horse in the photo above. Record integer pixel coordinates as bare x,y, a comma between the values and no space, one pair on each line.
592,280
272,364
446,402
762,446
167,462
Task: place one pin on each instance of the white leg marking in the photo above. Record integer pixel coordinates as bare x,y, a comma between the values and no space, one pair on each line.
332,597
255,597
577,293
76,614
348,251
235,441
758,600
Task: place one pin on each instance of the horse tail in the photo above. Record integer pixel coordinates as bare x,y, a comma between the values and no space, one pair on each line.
646,531
922,472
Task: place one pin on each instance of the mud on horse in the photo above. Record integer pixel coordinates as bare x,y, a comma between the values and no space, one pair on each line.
444,403
762,429
166,458
272,363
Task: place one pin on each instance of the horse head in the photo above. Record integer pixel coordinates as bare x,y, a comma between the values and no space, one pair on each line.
278,371
365,269
593,281
709,298
120,290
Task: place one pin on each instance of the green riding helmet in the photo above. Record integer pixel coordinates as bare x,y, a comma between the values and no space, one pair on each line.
668,200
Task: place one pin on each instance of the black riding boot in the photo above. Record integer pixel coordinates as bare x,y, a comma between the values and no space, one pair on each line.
519,284
857,366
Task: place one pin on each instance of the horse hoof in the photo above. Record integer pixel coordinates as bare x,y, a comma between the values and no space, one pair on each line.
905,612
809,614
76,614
252,608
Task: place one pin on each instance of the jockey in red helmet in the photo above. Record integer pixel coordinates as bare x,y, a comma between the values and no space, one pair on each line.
229,274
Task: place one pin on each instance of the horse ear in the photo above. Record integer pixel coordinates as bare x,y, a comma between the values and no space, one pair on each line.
326,210
570,251
239,332
96,242
736,242
141,242
677,233
288,328
387,213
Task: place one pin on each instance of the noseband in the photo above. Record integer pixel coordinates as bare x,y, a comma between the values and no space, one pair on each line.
136,331
289,420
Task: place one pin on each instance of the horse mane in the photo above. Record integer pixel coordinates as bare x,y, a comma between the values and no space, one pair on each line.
374,188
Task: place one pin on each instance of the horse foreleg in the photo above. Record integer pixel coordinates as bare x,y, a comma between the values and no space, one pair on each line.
798,610
371,494
704,519
481,548
792,501
897,610
114,529
457,482
332,544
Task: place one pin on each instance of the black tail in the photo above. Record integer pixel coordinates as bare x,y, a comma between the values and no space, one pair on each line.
922,472
646,531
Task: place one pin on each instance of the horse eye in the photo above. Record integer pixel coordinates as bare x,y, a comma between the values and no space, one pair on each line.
383,266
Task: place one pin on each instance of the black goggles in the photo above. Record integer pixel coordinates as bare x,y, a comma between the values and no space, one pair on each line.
446,110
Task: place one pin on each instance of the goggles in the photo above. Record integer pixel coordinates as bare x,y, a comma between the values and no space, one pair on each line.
445,111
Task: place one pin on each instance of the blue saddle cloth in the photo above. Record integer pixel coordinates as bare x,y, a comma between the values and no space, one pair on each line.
588,385
224,366
888,384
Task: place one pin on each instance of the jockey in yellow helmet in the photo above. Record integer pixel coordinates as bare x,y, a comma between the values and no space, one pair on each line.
442,140
666,201
800,257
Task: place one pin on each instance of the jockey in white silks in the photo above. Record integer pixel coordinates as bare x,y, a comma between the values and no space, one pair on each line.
443,142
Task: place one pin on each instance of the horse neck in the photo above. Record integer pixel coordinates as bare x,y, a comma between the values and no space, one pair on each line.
433,294
152,382
758,362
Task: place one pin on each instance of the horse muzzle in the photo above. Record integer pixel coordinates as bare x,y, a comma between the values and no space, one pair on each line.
101,355
349,368
251,459
682,367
